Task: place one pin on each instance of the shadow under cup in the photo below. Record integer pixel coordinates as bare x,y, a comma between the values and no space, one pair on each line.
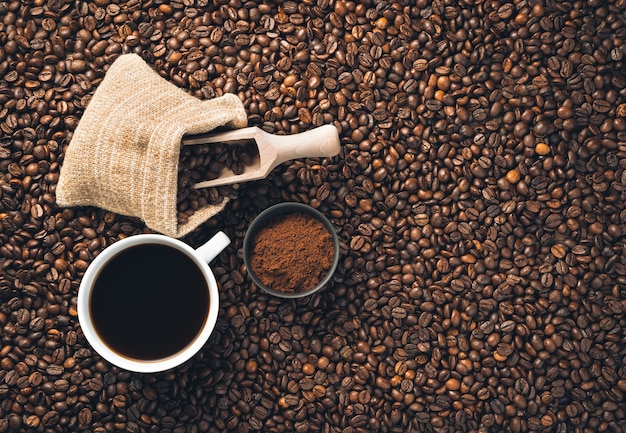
148,303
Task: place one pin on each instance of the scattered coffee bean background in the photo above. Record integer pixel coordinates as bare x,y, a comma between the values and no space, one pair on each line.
479,199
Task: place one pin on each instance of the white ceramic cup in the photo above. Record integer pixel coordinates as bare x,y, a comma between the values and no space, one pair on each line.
201,257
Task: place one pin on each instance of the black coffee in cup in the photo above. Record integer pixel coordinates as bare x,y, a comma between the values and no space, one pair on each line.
149,302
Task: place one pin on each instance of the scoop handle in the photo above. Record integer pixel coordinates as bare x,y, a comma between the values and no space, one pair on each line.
322,141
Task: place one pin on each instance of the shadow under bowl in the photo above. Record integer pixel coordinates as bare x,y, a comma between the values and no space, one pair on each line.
268,215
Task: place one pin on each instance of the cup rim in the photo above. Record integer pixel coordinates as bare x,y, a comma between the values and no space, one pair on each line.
141,365
286,208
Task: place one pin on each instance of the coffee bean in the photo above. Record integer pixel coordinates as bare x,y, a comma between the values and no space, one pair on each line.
478,197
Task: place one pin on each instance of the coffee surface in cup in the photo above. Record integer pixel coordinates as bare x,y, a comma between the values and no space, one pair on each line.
149,302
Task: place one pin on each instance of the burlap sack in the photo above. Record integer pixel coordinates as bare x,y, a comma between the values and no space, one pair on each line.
124,154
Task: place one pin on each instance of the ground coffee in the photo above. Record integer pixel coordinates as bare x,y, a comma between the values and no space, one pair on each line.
292,253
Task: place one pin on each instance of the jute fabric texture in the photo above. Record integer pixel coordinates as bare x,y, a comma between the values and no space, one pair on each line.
124,153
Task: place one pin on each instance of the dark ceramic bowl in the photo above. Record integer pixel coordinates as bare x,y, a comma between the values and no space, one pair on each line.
281,209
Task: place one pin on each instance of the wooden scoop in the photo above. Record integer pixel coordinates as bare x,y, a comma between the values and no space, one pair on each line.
273,150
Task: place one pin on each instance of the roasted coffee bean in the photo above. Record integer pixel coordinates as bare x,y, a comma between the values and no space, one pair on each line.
478,197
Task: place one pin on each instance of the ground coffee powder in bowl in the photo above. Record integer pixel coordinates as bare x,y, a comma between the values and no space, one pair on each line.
291,250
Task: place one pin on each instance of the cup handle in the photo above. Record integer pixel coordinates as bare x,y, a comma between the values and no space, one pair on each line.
213,246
